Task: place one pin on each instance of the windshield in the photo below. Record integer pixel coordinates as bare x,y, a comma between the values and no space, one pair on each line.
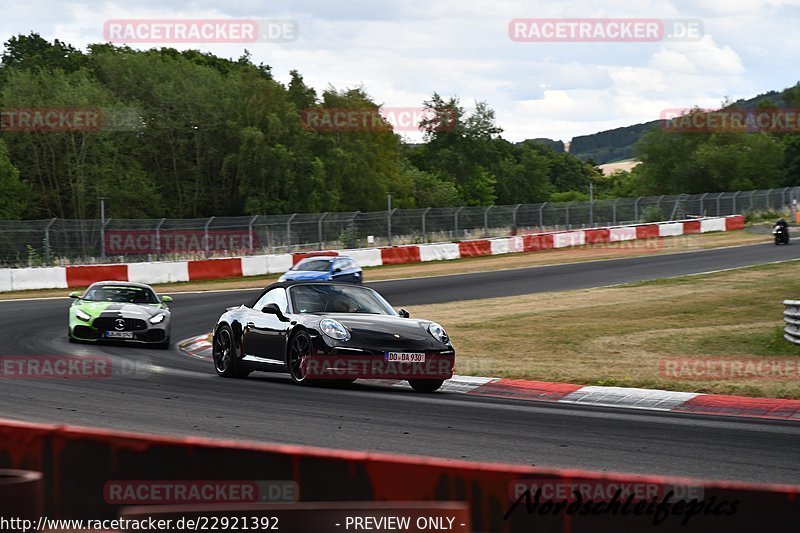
316,299
121,294
313,265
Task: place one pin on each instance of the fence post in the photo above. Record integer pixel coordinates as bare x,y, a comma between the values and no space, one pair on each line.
702,208
205,230
734,201
569,226
352,222
455,215
319,229
514,216
783,196
718,198
389,224
636,209
486,221
424,230
158,237
250,232
289,233
47,242
541,216
614,212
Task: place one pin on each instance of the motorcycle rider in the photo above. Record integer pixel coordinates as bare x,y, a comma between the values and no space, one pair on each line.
781,225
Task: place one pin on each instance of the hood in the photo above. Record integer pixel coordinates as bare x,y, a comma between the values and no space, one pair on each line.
306,275
379,332
126,310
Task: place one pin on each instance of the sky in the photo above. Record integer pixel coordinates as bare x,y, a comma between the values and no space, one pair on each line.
401,52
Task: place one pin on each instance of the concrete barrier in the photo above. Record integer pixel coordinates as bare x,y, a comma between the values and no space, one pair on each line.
277,264
712,224
166,272
475,248
569,238
671,229
215,269
369,257
5,279
625,233
398,255
439,252
23,279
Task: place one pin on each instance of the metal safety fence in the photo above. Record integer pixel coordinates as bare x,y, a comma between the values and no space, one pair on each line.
69,241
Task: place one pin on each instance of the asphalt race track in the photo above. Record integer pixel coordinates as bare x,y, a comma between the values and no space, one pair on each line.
166,391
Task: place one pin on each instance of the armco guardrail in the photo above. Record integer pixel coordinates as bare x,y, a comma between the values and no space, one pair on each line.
791,316
60,242
259,265
92,474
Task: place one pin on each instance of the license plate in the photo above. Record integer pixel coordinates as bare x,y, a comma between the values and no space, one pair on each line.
402,357
118,334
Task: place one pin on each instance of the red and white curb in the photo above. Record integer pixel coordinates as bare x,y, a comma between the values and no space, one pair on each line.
625,397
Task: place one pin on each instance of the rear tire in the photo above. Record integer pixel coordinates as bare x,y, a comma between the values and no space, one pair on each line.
224,355
425,385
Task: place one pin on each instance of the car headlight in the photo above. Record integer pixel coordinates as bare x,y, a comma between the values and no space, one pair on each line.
438,332
83,315
282,278
333,329
158,319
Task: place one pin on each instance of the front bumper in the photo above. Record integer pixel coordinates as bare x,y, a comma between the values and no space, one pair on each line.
356,364
88,333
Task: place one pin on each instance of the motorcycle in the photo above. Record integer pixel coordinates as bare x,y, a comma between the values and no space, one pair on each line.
781,234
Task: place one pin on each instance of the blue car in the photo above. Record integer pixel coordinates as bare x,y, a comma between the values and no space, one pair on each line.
325,268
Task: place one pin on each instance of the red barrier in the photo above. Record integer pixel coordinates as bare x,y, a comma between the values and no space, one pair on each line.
691,226
83,276
398,255
215,269
597,236
734,223
78,463
539,241
649,231
299,256
520,388
474,248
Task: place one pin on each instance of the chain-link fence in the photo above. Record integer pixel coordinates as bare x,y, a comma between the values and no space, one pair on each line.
67,241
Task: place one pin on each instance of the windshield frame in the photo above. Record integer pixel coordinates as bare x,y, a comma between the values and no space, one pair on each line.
345,287
155,299
309,260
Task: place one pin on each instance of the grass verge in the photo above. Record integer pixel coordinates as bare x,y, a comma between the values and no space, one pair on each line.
618,336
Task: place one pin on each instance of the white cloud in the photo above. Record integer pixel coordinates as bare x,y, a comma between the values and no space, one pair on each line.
402,52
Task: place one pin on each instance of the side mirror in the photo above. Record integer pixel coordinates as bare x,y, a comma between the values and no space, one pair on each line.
403,312
337,270
273,309
166,299
75,294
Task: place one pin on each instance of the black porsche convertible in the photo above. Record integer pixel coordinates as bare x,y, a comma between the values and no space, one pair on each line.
330,331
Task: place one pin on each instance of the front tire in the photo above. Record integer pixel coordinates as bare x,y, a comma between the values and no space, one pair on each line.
224,355
425,385
300,349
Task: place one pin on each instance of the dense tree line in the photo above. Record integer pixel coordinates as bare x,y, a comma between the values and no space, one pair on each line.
191,134
197,135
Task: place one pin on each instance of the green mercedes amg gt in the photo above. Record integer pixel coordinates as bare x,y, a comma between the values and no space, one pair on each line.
120,311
